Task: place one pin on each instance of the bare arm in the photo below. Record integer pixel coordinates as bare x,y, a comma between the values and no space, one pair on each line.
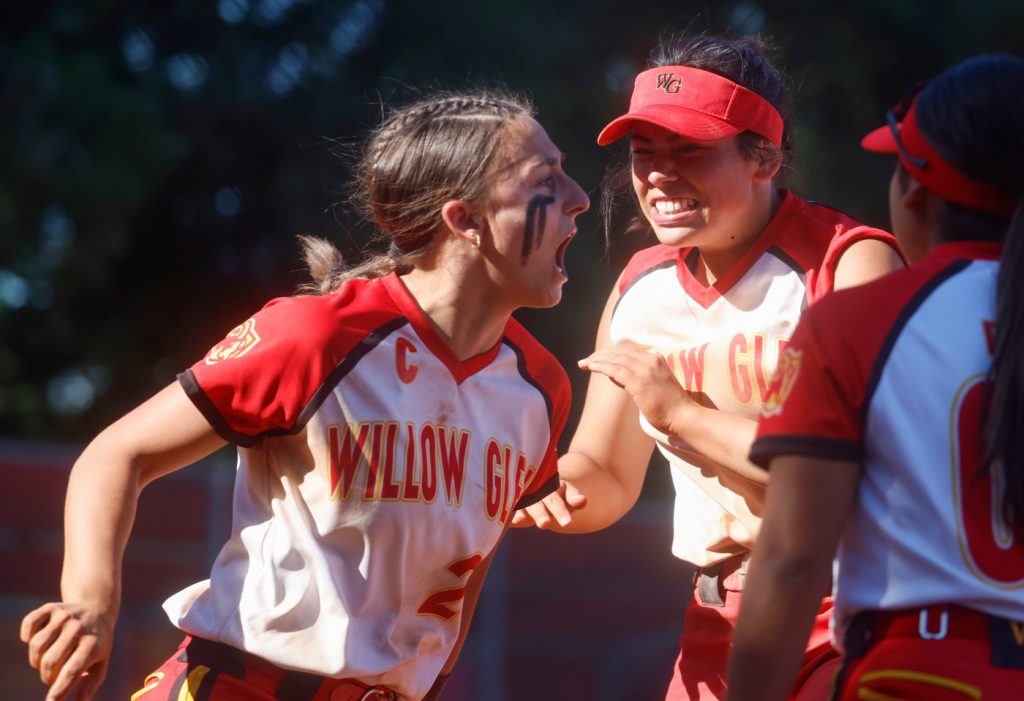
603,471
69,641
864,261
807,506
715,441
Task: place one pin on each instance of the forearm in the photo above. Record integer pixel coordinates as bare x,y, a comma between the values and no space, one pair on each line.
722,437
807,507
780,600
69,641
609,494
98,515
164,434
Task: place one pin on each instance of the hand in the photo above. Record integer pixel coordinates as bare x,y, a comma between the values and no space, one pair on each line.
68,643
643,373
556,507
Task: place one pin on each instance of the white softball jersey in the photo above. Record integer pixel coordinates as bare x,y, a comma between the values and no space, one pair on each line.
723,342
375,472
894,375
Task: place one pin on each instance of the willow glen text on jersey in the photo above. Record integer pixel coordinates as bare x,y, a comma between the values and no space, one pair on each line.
749,359
434,460
375,472
724,341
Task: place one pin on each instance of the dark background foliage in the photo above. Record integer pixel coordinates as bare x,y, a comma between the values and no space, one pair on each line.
157,159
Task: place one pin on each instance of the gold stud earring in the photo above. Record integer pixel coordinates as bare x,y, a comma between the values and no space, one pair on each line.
474,239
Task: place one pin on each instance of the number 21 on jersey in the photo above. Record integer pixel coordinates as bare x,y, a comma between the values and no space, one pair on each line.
447,602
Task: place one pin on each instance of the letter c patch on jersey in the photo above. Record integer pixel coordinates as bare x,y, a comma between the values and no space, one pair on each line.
237,343
403,349
782,384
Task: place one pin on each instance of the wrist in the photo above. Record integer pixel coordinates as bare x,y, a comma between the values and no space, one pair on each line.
683,419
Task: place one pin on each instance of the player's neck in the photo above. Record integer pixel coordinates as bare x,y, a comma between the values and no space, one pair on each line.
465,320
715,262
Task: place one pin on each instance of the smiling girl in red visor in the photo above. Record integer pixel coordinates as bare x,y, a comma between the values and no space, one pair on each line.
695,327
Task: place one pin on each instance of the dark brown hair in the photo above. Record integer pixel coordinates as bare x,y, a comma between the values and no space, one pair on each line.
971,115
742,61
445,147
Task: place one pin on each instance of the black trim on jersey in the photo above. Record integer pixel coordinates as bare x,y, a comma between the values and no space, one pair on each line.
521,365
896,329
640,276
825,205
369,342
792,263
209,410
542,491
767,447
788,260
692,260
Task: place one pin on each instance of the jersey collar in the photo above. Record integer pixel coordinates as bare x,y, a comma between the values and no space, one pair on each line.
424,328
707,295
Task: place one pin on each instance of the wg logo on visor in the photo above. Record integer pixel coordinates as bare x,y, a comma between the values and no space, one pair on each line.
668,82
239,341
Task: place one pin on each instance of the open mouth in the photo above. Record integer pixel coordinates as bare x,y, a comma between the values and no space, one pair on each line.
560,254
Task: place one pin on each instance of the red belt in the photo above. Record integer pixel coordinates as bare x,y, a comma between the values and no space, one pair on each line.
291,685
931,623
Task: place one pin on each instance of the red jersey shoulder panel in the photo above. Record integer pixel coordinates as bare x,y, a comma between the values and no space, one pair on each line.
815,236
268,371
646,260
540,368
810,237
819,394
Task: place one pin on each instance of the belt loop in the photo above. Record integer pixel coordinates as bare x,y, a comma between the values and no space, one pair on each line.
709,586
743,569
922,625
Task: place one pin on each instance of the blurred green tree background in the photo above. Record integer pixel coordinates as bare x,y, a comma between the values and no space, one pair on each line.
157,159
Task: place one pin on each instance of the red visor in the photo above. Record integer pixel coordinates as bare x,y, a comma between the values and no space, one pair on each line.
928,168
696,104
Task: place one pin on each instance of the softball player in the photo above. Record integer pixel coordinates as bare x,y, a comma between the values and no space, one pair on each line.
893,429
716,300
387,426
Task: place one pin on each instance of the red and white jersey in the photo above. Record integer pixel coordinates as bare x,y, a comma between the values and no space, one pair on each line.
723,343
375,472
894,375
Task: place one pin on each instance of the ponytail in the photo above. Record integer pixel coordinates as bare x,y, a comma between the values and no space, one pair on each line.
1004,430
328,271
971,115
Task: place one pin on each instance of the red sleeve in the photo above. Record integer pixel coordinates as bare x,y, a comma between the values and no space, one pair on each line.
260,376
646,260
266,372
813,402
822,280
818,398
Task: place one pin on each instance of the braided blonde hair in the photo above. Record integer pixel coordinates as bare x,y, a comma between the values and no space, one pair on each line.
442,148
